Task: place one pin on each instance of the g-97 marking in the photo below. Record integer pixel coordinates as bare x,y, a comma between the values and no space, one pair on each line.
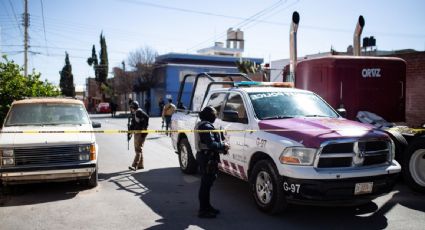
294,188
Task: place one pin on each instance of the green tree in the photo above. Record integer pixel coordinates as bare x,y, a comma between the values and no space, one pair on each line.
248,67
67,79
92,61
14,86
100,69
104,64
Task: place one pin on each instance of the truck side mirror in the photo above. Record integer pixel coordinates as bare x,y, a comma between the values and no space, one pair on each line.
342,112
96,124
230,115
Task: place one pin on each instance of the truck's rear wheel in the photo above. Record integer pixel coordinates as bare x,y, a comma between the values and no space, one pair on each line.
187,162
414,165
265,188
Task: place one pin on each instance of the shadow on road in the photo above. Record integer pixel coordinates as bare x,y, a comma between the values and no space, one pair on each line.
28,194
173,196
408,198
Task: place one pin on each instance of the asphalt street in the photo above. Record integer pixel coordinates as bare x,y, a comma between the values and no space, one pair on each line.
161,197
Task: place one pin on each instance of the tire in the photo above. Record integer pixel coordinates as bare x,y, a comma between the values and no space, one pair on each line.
399,142
266,188
414,165
188,164
93,180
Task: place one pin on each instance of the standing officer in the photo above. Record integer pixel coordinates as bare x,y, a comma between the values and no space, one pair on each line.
139,121
161,105
148,106
167,112
208,147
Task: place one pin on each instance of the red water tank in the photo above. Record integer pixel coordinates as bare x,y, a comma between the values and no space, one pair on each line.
374,84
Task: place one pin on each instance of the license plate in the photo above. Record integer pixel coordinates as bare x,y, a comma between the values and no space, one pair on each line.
363,188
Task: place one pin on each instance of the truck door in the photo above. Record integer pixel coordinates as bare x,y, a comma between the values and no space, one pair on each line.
234,119
216,101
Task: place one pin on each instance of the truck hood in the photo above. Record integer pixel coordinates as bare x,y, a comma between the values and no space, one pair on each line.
311,132
39,139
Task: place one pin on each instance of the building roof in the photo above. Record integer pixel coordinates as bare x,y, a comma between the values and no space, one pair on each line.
196,58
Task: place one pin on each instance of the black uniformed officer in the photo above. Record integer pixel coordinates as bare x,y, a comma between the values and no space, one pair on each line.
139,121
208,146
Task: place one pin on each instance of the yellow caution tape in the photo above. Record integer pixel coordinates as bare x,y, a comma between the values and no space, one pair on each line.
131,132
113,131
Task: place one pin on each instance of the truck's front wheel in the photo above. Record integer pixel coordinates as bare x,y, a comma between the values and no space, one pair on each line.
414,164
265,188
187,162
93,180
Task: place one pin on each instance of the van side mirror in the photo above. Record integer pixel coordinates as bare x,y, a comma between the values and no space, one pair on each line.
96,124
342,112
230,115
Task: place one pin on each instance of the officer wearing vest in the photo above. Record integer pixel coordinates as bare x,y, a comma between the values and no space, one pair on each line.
208,147
167,112
139,121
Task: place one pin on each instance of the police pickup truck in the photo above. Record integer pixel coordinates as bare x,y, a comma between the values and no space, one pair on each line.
289,144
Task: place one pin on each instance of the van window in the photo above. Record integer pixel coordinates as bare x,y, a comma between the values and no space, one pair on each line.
47,114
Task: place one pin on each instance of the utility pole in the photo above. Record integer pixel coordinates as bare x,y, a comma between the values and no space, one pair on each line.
125,86
0,42
26,25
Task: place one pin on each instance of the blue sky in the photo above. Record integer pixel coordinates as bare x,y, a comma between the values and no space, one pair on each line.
188,25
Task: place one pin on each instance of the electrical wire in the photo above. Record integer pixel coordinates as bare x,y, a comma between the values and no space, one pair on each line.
239,25
16,19
44,25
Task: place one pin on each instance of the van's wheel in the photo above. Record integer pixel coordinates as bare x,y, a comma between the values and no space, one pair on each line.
187,162
93,180
414,164
266,188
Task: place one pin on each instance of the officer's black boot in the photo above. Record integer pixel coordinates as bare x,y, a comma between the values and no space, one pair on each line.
214,210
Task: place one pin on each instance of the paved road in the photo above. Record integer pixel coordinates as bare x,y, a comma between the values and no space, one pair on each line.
161,197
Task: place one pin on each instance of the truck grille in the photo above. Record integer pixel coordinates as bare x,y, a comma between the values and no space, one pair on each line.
354,154
46,155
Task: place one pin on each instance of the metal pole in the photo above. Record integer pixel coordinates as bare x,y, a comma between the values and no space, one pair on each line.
125,86
0,42
356,37
293,47
26,25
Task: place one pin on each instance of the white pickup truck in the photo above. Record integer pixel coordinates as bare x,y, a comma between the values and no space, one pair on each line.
289,144
48,139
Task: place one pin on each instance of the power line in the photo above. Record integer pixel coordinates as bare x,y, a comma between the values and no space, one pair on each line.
14,14
264,21
11,45
44,25
246,21
179,9
277,10
62,48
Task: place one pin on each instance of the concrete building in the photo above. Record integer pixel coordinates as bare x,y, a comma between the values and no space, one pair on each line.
235,45
79,92
168,71
92,95
415,82
172,67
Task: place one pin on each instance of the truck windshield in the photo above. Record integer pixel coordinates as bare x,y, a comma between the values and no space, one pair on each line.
280,105
46,114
